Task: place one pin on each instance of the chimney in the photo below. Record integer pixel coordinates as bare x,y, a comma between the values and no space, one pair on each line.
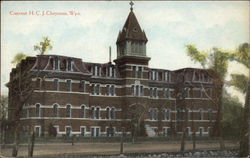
110,55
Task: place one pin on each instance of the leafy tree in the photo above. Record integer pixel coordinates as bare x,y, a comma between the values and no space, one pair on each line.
242,83
18,58
21,86
232,115
3,117
217,61
43,46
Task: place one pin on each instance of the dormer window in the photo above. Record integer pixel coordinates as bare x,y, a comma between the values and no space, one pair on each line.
57,63
96,70
70,65
135,29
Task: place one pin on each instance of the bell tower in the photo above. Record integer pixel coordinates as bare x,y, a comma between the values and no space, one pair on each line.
132,40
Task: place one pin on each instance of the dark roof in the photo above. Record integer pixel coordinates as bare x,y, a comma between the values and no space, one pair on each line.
131,30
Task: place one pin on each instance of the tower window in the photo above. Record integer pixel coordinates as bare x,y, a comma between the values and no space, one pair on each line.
38,110
55,110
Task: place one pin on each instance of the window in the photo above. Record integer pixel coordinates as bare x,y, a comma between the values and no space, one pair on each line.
167,76
38,112
167,114
37,131
82,111
200,114
112,113
56,84
97,89
178,114
111,72
166,93
108,89
82,129
155,93
153,114
140,72
151,92
69,85
82,86
70,65
112,90
200,131
55,110
68,131
38,83
68,111
209,114
95,131
137,90
134,72
133,90
141,91
188,114
92,112
57,63
108,113
97,113
97,70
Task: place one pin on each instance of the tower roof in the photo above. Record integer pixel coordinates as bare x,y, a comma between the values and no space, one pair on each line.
131,30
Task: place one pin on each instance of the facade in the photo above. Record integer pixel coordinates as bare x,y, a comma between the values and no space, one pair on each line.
100,99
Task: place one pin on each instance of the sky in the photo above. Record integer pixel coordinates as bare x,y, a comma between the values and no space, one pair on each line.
168,25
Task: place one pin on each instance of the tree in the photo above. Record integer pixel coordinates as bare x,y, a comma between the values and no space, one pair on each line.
3,118
44,46
242,83
18,58
21,87
233,111
217,61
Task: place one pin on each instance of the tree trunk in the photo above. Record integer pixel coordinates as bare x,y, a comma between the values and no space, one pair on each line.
194,139
32,144
245,136
16,143
183,140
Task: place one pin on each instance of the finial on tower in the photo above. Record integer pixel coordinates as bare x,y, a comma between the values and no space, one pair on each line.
131,4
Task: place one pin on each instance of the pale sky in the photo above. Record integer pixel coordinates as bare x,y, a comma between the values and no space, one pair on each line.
169,26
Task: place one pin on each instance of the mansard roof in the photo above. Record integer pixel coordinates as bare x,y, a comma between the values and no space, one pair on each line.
131,30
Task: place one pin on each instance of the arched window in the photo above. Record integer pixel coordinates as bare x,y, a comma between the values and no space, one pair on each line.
38,111
97,113
55,110
82,111
112,113
108,113
167,114
68,111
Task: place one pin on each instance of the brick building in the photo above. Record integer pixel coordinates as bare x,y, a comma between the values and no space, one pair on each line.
99,99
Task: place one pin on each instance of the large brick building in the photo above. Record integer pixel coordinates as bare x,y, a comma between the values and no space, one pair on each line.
99,99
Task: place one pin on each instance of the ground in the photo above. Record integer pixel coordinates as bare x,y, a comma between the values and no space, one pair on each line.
114,148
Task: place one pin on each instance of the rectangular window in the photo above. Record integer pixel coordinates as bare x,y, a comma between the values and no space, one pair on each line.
82,86
69,85
108,89
82,131
56,84
134,72
133,90
37,131
57,63
139,72
97,89
137,90
112,90
68,131
155,93
151,92
141,91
